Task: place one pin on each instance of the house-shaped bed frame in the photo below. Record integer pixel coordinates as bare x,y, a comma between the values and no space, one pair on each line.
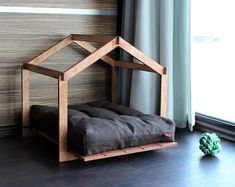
111,42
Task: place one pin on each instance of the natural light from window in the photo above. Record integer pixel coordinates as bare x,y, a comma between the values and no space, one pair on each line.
213,57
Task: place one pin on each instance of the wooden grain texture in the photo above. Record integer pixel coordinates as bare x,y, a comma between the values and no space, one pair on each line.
52,50
64,155
42,70
134,66
141,56
90,85
90,48
89,60
114,85
83,4
92,38
52,26
164,94
25,101
127,151
25,36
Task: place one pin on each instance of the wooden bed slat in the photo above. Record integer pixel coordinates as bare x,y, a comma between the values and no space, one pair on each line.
168,144
126,151
150,147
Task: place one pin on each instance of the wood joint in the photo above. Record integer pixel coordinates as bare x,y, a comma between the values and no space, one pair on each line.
118,40
165,70
42,70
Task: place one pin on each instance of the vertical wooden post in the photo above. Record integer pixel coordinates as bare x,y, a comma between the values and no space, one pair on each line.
114,84
25,102
62,107
164,93
64,155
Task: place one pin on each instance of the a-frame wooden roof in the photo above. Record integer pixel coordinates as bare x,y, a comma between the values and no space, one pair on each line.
111,42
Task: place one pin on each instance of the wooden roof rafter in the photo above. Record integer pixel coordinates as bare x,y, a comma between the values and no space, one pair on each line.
152,65
90,59
51,51
112,42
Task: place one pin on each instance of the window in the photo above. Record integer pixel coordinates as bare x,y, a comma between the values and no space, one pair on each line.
213,57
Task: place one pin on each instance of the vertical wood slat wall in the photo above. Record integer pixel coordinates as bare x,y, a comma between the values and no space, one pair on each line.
25,35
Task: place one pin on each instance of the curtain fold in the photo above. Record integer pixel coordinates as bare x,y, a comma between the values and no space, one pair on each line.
182,67
160,29
147,39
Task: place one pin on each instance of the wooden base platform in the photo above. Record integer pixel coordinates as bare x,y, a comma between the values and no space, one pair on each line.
113,153
127,151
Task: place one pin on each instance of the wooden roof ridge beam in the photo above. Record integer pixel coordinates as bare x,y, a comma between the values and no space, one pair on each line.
51,51
92,38
141,56
43,70
91,59
90,48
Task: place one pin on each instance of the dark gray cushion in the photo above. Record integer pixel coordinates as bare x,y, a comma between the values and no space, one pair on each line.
45,118
119,109
102,126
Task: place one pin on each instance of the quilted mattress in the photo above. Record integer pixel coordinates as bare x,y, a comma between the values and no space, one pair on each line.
102,126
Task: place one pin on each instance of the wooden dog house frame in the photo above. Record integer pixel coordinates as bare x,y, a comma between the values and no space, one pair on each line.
112,42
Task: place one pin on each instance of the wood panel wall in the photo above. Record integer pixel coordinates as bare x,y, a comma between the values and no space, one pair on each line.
25,35
85,4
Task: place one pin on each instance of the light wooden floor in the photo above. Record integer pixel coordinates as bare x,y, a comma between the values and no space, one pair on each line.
32,162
